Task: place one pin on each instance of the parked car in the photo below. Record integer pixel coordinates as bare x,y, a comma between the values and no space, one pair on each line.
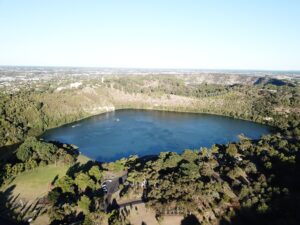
104,189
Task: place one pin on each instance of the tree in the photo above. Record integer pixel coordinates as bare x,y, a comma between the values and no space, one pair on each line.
95,172
190,170
268,165
231,150
189,155
206,169
84,204
83,181
45,151
8,170
262,208
68,159
66,184
53,196
171,160
236,172
25,150
17,168
32,148
87,220
32,163
56,213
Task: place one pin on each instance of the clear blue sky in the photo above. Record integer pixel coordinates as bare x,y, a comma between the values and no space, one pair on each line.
207,34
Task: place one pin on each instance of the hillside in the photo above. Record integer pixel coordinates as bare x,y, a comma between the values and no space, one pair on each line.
41,106
237,183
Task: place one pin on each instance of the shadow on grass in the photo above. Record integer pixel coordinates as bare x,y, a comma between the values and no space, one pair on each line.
15,210
8,207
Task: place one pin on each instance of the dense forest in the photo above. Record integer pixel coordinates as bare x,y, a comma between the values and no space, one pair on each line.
248,182
31,111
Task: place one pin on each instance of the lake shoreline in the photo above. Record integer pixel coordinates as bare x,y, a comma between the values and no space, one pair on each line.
159,110
148,132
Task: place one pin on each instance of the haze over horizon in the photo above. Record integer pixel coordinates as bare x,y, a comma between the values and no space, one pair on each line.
214,35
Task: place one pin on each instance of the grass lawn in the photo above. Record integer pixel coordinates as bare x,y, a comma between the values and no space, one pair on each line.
34,184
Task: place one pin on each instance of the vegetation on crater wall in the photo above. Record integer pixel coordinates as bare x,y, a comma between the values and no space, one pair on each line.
242,182
29,113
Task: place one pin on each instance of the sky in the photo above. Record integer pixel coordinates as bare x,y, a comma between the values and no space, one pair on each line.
195,34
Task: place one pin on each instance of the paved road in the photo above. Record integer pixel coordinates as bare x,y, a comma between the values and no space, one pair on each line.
112,187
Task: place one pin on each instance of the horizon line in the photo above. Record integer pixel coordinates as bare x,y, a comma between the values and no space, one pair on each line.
155,68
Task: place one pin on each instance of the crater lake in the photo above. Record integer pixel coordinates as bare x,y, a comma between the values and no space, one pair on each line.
113,135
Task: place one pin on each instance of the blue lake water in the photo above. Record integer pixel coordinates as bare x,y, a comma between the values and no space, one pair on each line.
122,133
